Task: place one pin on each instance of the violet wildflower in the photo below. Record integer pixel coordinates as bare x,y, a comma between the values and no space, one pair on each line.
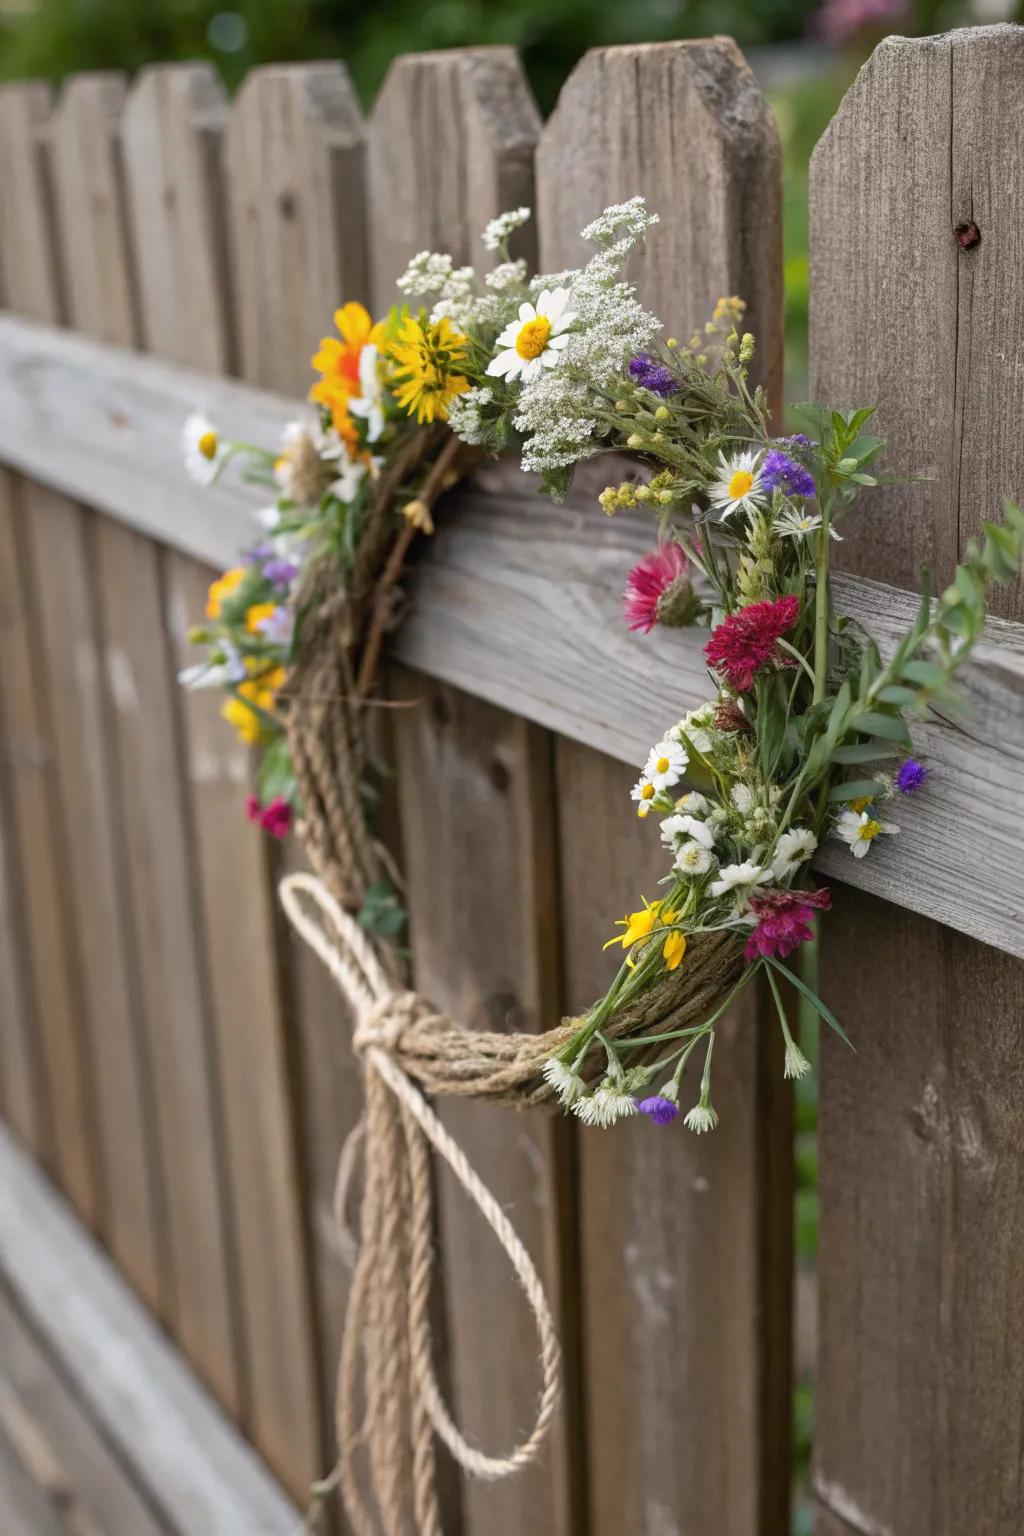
257,554
281,572
780,472
659,1109
911,776
653,376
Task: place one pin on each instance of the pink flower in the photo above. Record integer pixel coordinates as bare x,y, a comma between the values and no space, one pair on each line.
745,641
275,818
647,583
784,920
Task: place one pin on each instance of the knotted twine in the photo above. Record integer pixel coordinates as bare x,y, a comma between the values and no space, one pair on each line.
388,1403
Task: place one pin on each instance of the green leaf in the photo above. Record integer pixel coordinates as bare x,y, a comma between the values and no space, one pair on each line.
928,674
813,999
856,789
894,693
891,727
863,752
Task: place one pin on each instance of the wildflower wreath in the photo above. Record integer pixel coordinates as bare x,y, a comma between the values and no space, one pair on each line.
804,735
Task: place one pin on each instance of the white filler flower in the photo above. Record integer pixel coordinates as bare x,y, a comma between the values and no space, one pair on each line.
740,878
535,340
859,830
693,859
791,850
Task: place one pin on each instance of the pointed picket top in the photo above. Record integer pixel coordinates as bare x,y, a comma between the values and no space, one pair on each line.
686,126
171,138
452,144
295,169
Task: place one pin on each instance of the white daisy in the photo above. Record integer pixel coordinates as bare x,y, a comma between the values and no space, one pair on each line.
793,524
859,830
202,449
535,340
693,858
643,792
738,486
740,878
675,827
666,763
792,849
369,405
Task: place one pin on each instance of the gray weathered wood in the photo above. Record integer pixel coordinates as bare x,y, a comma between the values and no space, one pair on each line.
470,779
19,1067
521,600
921,1364
171,141
694,1290
125,1376
153,810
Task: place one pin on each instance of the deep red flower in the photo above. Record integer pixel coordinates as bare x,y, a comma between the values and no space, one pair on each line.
784,920
646,583
745,641
275,818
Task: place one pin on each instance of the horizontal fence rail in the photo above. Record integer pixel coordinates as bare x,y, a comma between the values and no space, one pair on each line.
519,602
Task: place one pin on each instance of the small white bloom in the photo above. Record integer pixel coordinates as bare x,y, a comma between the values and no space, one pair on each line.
506,275
498,230
791,850
535,340
797,1064
221,673
666,763
694,803
675,827
268,517
568,1085
695,723
740,878
349,480
701,1118
201,448
738,485
609,1102
369,406
643,792
858,831
742,797
693,858
794,524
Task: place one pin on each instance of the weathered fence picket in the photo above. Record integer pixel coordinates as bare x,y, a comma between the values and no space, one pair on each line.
922,1241
182,1068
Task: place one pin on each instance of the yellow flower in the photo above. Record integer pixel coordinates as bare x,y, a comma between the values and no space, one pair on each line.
221,589
674,949
861,804
260,691
338,364
638,925
425,357
256,614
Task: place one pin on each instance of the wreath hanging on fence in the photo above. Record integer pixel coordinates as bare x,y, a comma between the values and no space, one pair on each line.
805,734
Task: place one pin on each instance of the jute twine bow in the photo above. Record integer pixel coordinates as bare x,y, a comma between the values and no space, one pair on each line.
386,1357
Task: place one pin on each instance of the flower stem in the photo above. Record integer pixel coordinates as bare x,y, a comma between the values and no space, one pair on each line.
821,596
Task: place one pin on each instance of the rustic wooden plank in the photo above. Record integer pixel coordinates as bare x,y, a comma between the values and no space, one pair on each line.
19,1066
451,145
153,804
125,1376
58,537
696,1434
521,600
79,1482
921,1365
67,1144
295,173
295,179
171,140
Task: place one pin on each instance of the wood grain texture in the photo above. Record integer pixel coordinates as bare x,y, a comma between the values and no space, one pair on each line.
476,800
153,811
132,1384
20,1085
921,1364
521,601
171,140
295,176
694,1289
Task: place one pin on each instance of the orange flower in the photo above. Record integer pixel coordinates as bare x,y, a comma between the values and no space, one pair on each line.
338,364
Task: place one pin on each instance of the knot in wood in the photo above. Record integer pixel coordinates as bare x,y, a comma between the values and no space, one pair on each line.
968,235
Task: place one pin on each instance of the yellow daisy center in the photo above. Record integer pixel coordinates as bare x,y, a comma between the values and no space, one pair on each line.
662,765
207,445
533,337
647,793
869,830
739,483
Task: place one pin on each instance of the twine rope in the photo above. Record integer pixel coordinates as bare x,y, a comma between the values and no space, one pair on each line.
396,1247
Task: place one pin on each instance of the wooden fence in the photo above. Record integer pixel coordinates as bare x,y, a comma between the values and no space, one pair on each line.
181,1067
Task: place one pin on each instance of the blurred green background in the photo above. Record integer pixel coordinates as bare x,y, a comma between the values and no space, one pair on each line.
805,55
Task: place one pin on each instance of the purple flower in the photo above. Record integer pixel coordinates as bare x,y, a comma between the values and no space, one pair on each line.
911,776
653,376
781,472
797,437
277,627
257,554
661,1110
281,572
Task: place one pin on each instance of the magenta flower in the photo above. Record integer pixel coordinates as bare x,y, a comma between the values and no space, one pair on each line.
784,920
648,582
275,818
746,641
659,1109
